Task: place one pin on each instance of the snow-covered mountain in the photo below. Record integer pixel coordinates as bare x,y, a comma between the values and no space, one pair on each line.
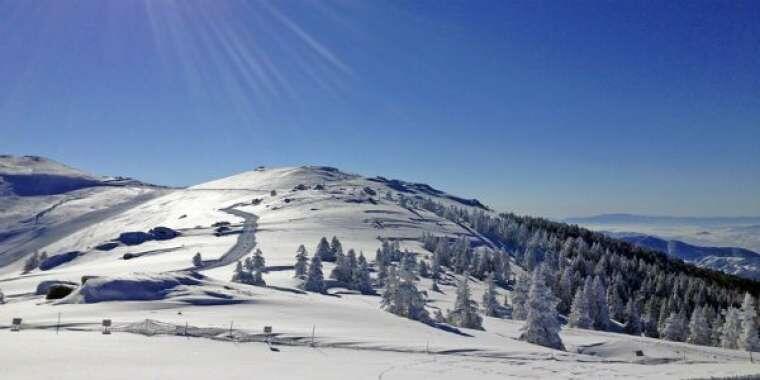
42,200
130,253
737,261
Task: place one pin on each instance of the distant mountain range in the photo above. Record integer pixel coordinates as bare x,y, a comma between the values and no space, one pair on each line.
732,260
668,220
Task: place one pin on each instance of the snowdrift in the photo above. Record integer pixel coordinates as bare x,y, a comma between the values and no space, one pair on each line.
134,287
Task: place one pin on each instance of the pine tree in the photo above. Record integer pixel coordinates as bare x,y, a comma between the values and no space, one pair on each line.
258,263
2,297
520,297
315,279
323,251
465,312
342,270
633,318
729,337
31,263
491,306
675,328
601,310
336,248
360,279
402,298
197,260
542,325
302,262
579,312
748,339
717,331
699,330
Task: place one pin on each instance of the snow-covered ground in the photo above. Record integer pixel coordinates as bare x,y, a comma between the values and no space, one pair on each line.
353,335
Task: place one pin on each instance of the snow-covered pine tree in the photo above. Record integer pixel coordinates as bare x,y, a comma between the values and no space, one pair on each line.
435,266
336,248
360,279
699,330
717,330
748,339
675,327
315,278
542,324
520,297
323,251
633,324
197,260
302,262
579,312
491,306
258,263
237,273
32,263
601,310
465,312
402,298
729,337
342,269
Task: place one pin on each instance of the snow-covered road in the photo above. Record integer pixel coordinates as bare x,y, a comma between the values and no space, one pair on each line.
245,243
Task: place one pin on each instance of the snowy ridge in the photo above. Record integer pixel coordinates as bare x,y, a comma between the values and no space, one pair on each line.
146,286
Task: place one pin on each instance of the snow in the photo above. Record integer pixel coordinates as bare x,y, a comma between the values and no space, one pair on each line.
354,336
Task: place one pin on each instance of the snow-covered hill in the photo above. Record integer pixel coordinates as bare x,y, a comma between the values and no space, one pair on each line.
142,282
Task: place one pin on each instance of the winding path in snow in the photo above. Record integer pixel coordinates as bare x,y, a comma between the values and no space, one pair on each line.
245,243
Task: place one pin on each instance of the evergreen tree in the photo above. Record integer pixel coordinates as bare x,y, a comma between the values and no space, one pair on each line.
717,331
491,306
323,251
542,325
601,310
197,260
315,279
699,331
258,263
675,328
579,312
31,263
633,318
360,279
402,298
336,248
302,262
465,313
343,265
520,297
729,337
2,297
748,339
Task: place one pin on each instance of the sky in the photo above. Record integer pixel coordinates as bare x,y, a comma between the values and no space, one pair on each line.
546,108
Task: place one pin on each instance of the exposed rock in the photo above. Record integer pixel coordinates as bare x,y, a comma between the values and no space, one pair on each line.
44,286
54,261
163,233
134,238
59,291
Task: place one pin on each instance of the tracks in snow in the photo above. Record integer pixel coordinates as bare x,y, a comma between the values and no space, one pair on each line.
245,243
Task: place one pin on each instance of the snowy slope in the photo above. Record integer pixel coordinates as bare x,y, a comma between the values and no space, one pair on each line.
276,210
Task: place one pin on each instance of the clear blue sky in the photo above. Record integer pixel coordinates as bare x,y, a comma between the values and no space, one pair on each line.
548,108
